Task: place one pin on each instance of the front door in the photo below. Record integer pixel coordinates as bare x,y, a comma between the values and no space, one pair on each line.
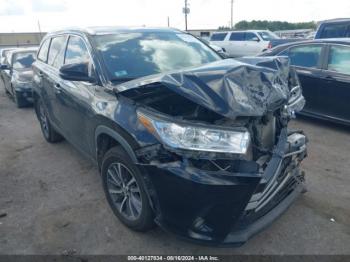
75,98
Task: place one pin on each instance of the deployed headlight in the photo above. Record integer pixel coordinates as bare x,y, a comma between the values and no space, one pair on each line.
197,138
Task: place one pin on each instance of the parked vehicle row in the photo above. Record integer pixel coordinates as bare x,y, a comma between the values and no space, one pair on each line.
247,43
17,75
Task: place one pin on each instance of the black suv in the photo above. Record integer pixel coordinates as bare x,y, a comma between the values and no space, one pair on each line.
183,138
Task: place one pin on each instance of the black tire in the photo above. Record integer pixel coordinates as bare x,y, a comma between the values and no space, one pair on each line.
50,134
144,220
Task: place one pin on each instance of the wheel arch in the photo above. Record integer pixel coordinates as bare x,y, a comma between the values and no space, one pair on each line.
103,132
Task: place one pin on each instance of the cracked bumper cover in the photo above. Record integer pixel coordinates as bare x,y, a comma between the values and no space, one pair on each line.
223,208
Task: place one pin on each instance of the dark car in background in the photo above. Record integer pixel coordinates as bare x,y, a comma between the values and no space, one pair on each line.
17,74
3,53
335,28
323,67
180,135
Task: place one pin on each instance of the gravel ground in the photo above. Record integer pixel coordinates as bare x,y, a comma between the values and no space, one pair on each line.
51,199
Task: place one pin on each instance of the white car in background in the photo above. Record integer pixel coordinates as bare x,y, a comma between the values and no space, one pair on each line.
243,43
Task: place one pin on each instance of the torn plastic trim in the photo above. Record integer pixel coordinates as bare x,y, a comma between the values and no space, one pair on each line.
295,150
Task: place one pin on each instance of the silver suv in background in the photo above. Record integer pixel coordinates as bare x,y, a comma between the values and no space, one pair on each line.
243,43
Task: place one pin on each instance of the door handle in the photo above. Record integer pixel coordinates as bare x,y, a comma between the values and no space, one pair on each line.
57,88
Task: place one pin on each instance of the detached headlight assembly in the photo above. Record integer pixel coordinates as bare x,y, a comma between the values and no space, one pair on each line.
196,138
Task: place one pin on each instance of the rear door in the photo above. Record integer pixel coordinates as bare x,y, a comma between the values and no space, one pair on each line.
7,73
307,60
335,94
51,79
75,98
40,75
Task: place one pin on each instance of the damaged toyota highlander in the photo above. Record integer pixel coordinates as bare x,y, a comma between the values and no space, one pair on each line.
184,139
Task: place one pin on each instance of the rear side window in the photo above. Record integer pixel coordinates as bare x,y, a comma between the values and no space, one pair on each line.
218,37
305,56
44,49
339,59
76,51
336,30
251,37
237,37
56,53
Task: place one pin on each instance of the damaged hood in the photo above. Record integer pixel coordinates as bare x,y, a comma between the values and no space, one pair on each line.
249,87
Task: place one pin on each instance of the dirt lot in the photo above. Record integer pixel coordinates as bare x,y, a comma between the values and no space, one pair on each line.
54,203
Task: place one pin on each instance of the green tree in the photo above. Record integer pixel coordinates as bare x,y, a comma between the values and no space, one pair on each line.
271,25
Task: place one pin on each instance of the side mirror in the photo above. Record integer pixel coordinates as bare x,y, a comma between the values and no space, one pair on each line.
4,67
256,39
223,54
76,72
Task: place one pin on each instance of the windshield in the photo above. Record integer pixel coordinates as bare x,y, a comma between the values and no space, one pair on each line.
267,36
23,60
137,54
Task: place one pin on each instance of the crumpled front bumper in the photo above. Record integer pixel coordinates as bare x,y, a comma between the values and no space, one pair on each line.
222,208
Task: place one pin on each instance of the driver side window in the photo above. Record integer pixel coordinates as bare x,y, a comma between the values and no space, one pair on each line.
76,51
251,37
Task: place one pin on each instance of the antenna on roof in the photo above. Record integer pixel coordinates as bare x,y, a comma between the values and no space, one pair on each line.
41,37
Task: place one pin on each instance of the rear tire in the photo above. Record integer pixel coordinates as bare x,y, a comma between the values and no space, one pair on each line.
50,134
125,190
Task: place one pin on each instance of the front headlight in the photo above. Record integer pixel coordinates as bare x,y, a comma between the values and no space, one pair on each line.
196,138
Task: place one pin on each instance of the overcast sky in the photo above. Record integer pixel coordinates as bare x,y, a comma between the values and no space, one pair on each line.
23,15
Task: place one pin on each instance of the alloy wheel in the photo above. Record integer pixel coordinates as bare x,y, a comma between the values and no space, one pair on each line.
124,191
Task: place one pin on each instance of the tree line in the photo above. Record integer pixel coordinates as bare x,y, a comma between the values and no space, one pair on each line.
270,25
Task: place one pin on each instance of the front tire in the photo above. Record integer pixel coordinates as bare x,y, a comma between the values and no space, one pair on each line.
50,134
125,191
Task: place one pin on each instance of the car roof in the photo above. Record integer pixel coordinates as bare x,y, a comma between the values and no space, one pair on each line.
337,20
318,41
99,30
24,50
240,31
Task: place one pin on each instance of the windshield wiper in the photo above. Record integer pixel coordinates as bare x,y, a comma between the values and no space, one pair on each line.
122,79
